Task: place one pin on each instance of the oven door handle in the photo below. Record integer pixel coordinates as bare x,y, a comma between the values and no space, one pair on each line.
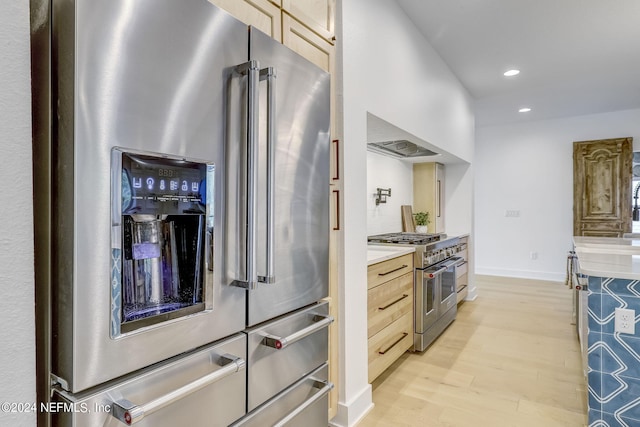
581,282
432,274
280,343
130,413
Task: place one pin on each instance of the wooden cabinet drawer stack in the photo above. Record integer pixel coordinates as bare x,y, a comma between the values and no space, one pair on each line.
389,312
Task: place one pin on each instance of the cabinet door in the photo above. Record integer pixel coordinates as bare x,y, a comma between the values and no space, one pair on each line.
602,187
262,14
318,15
428,193
305,42
439,208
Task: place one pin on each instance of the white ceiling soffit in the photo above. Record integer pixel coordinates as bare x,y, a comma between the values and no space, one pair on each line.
576,56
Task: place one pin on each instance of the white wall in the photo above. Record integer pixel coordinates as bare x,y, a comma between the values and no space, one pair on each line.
387,172
17,334
391,71
529,167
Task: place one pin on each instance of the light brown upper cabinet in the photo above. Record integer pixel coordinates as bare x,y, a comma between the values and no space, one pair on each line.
602,187
428,193
302,40
317,15
262,14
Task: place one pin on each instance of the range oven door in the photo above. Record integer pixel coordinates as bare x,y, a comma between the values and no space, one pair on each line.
448,295
427,294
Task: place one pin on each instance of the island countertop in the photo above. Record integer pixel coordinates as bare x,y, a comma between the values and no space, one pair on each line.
608,256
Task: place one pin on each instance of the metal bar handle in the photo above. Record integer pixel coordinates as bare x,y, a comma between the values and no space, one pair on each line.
279,343
394,302
404,335
336,175
130,413
460,263
437,272
324,388
269,74
252,70
394,270
337,226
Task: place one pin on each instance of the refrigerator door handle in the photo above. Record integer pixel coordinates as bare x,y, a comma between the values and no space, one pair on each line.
269,74
252,70
324,388
280,343
130,413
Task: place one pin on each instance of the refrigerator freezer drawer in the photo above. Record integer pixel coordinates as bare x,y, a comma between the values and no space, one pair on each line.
284,350
306,403
205,388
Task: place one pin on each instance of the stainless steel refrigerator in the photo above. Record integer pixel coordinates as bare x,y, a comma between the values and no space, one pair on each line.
181,186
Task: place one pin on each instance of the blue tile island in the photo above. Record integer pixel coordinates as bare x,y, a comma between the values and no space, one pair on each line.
613,269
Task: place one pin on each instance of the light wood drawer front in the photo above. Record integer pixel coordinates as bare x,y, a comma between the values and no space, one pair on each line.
462,269
389,344
388,302
462,281
390,269
462,293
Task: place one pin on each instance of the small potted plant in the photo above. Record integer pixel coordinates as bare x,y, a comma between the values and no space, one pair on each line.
422,220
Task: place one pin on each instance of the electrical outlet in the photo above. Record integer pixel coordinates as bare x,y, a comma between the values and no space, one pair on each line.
533,255
625,322
512,213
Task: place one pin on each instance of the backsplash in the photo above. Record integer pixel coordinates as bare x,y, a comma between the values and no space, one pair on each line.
387,172
614,359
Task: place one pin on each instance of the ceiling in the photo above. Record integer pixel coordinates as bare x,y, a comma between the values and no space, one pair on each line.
576,56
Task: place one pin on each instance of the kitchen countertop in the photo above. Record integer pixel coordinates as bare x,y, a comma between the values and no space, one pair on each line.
608,256
379,253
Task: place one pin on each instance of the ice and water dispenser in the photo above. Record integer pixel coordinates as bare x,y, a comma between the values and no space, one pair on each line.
162,217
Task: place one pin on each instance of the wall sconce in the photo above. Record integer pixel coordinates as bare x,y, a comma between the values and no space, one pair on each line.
382,194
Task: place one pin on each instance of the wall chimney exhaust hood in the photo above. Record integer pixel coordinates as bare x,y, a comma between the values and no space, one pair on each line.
400,149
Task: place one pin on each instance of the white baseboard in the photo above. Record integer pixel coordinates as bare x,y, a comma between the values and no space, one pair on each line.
523,274
350,413
472,294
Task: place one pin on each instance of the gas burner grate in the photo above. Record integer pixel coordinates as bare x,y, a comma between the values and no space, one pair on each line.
405,238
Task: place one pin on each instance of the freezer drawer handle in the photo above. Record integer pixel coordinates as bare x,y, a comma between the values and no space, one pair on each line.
130,413
324,388
279,343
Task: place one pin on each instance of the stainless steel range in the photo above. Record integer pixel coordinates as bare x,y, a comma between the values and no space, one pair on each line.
435,263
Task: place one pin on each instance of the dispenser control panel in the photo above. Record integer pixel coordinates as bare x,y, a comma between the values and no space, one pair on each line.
154,185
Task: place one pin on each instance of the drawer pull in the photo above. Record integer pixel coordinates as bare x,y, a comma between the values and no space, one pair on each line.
323,387
130,413
394,302
394,270
282,342
404,335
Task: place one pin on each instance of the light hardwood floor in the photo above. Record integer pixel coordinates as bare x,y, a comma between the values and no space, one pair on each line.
511,358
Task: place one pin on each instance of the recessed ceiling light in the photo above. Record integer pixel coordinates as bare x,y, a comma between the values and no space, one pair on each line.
524,110
511,73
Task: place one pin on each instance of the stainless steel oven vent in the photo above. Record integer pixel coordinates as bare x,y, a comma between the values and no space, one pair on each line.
400,149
